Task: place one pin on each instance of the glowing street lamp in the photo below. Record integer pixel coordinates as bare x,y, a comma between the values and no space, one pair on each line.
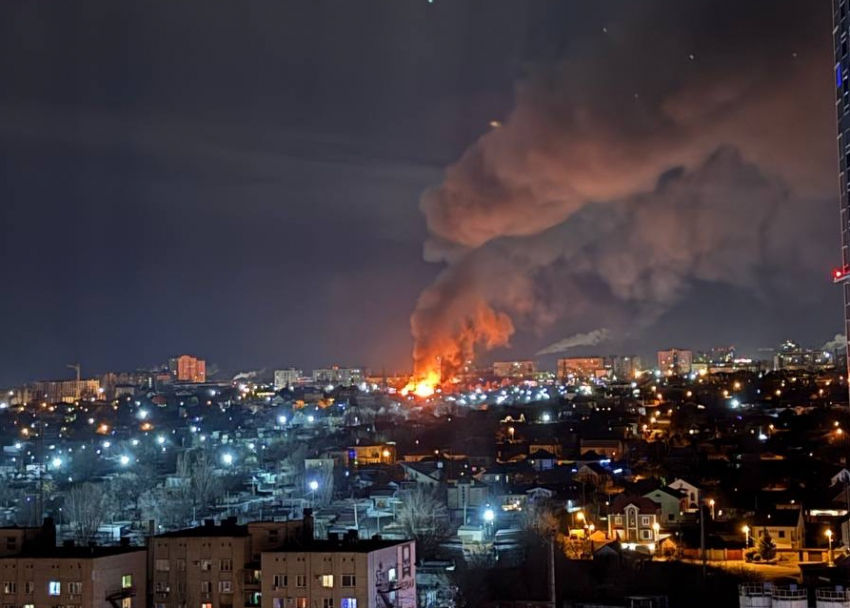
746,531
227,458
511,432
489,515
56,462
125,460
711,504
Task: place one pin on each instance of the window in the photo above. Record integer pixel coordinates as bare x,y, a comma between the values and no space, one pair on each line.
206,564
126,581
646,535
159,605
300,602
127,602
162,565
225,587
618,520
391,574
349,602
327,602
54,588
28,606
782,534
348,580
226,565
161,587
328,581
279,580
300,580
29,587
75,588
206,586
10,587
206,605
644,520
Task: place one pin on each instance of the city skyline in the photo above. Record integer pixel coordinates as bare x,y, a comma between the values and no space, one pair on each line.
245,214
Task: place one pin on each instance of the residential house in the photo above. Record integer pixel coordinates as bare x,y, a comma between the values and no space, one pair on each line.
673,504
634,520
785,526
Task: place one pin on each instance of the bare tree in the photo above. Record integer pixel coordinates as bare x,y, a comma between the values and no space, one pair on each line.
424,517
539,522
86,509
204,481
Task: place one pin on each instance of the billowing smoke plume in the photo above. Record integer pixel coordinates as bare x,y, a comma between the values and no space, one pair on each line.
628,175
837,345
591,338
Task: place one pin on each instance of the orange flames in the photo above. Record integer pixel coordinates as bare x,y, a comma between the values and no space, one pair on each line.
423,386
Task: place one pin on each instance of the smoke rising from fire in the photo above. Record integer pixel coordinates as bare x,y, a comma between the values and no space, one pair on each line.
629,175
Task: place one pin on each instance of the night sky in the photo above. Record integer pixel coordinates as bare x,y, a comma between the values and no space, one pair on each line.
244,180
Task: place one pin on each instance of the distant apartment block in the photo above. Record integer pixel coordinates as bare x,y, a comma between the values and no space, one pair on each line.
60,391
187,368
344,376
341,572
514,369
581,367
675,361
286,377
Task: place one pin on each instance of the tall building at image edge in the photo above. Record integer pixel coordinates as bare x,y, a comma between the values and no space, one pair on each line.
841,39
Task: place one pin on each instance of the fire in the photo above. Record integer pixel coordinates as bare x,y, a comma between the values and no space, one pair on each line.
424,386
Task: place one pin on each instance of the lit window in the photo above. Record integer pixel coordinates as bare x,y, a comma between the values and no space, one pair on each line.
349,580
10,587
328,581
391,576
349,602
126,581
28,606
225,587
206,564
300,602
54,588
206,605
127,602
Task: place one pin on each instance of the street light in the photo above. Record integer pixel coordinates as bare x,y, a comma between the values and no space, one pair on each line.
227,459
711,505
746,531
125,460
489,515
313,485
829,536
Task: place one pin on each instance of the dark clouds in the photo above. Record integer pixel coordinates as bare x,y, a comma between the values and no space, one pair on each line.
240,180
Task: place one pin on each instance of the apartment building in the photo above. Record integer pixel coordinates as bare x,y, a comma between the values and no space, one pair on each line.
75,577
216,566
340,572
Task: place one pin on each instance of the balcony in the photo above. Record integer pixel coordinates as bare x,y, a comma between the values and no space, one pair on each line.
115,595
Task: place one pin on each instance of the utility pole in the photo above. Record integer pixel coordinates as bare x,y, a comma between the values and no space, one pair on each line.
702,536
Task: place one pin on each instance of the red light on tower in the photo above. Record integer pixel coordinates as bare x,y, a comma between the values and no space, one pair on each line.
840,275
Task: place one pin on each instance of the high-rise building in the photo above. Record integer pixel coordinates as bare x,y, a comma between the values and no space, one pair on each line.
286,377
514,369
675,361
345,376
625,366
581,367
187,368
841,40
